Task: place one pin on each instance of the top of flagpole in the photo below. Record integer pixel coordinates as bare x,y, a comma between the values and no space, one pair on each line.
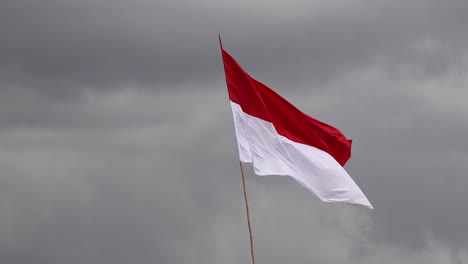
220,42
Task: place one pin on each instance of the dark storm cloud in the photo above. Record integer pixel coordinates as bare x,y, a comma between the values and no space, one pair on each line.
116,144
67,46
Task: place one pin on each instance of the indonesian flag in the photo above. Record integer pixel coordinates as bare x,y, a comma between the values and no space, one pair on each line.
278,139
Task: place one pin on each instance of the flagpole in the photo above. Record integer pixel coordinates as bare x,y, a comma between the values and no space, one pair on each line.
243,186
248,213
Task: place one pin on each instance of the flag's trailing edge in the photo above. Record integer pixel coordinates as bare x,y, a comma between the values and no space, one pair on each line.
278,139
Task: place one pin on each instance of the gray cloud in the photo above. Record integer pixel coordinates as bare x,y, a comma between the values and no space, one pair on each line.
66,46
117,144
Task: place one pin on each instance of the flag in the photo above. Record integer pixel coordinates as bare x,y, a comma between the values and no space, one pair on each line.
279,139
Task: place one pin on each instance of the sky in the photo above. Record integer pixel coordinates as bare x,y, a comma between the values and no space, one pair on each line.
117,143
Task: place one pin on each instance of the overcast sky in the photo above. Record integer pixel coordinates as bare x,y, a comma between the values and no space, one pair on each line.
117,143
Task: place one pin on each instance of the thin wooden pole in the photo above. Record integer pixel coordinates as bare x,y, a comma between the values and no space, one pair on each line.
220,42
248,214
243,182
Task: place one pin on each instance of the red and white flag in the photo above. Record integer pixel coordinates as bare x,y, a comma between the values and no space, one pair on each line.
278,139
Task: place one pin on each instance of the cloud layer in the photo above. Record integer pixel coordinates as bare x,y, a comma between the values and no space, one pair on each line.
117,144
